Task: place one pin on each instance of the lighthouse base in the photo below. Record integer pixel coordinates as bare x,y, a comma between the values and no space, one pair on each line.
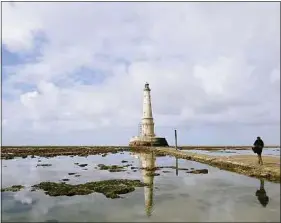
148,141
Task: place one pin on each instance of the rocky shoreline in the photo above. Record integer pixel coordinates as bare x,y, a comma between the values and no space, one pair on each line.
241,164
246,165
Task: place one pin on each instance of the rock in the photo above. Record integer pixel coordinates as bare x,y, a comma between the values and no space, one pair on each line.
124,161
151,174
199,171
14,188
65,179
82,165
113,168
133,168
110,188
44,164
71,173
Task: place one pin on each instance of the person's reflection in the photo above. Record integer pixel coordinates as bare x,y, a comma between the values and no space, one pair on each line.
147,161
261,194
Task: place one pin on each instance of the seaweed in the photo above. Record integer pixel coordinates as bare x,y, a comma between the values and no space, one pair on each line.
14,188
110,188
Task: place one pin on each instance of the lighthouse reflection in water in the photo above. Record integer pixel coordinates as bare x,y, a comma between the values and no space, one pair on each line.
148,164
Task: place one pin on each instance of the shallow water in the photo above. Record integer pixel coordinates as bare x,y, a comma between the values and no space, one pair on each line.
176,196
230,152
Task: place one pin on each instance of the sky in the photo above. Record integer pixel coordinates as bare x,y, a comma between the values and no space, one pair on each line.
73,73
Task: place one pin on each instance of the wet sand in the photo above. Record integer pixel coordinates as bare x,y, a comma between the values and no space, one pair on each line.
243,164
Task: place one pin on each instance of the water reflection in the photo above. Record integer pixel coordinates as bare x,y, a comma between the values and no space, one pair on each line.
147,162
261,194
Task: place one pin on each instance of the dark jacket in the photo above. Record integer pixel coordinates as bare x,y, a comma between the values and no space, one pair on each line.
258,146
259,143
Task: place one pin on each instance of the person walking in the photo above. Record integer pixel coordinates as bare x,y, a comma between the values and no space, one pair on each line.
258,147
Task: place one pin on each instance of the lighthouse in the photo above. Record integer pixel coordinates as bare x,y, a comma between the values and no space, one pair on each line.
147,135
147,124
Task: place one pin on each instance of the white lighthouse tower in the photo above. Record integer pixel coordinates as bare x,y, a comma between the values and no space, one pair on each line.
147,124
147,135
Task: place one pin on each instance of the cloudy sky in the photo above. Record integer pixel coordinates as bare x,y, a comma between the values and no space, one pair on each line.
73,73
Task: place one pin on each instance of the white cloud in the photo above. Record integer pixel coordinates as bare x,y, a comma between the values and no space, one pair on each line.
207,63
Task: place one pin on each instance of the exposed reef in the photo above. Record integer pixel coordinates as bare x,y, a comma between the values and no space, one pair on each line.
52,151
14,188
110,188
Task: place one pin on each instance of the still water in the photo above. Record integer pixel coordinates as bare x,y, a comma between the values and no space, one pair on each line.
175,195
231,152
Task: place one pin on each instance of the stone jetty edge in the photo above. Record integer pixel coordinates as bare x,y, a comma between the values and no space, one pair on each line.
268,173
224,163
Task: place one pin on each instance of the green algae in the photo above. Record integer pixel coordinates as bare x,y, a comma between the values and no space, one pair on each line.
8,152
113,168
14,188
152,174
110,188
199,171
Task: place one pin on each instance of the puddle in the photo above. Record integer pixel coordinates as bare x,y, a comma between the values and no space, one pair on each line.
173,194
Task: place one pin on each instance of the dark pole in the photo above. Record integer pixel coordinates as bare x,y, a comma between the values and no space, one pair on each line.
176,139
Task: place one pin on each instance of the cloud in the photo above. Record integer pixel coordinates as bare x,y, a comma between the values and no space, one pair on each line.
207,63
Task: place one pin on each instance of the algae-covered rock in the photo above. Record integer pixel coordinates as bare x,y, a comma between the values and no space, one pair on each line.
13,188
44,164
199,171
151,174
113,168
71,173
110,188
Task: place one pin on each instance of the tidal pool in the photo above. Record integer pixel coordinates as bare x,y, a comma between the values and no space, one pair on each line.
174,195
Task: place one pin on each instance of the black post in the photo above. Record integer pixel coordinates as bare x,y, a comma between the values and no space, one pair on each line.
176,139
